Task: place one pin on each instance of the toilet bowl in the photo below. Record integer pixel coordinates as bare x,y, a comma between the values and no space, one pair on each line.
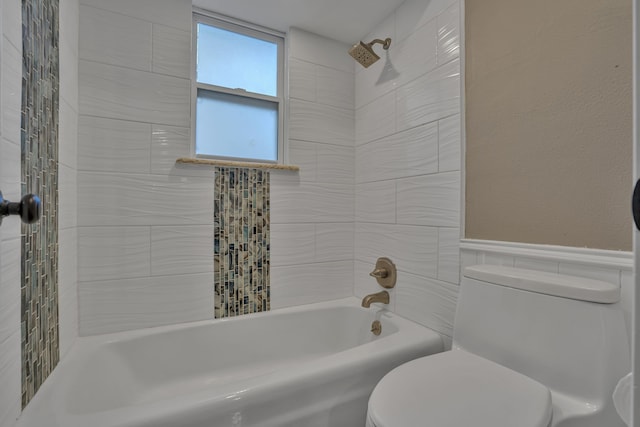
530,349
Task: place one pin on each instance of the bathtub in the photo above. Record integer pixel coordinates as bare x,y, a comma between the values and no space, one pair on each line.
312,365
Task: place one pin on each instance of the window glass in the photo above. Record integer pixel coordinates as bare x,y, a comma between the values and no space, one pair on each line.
238,90
236,61
234,126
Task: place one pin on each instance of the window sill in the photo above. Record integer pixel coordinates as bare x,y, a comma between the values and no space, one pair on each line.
229,163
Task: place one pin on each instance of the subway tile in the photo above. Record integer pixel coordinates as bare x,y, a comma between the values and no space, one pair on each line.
128,199
310,283
302,80
376,119
171,51
449,34
432,200
414,249
106,253
335,87
376,202
181,250
127,94
119,305
320,123
449,144
428,98
335,164
174,13
429,302
334,242
115,39
449,255
319,50
292,244
108,145
409,153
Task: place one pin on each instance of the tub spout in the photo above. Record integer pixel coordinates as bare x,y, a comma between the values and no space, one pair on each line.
382,296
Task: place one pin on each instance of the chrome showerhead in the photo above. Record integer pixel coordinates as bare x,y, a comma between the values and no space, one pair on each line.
364,54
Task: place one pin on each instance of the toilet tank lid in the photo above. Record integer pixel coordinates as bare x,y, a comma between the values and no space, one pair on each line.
560,285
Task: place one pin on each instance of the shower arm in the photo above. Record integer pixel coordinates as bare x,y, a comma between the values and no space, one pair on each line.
385,43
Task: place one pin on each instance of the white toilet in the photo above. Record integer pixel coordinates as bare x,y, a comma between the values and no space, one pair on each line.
530,349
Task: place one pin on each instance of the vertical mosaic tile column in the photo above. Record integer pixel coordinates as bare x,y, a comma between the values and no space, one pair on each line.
39,134
241,241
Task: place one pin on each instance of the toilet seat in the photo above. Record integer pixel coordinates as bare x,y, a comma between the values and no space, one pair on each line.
458,389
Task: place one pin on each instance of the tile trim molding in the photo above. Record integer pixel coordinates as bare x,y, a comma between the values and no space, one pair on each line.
622,260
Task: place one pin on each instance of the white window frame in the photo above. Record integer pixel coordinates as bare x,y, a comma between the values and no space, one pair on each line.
251,30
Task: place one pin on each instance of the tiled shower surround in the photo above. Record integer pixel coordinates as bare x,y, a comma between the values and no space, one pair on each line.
241,241
379,157
40,106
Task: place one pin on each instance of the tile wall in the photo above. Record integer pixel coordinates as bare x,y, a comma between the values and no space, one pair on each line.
145,226
312,213
39,175
10,101
241,254
407,161
137,209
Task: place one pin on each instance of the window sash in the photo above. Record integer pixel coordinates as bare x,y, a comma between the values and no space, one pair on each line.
230,24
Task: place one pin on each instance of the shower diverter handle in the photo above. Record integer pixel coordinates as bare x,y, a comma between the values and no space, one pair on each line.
29,208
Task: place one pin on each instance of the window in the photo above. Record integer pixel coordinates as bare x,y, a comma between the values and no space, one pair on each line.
238,91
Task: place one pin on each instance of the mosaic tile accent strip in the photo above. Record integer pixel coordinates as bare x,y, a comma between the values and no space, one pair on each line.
241,241
39,134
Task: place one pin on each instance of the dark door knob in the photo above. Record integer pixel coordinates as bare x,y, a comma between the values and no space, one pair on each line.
29,208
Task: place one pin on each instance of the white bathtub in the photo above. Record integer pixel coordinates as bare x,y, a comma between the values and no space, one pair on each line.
313,365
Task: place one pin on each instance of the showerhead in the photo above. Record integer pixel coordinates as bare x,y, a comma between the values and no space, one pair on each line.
364,54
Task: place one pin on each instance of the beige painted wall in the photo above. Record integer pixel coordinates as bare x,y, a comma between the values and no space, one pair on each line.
548,122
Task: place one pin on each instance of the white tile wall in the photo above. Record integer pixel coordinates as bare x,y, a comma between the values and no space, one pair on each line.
408,162
402,116
144,221
10,243
312,214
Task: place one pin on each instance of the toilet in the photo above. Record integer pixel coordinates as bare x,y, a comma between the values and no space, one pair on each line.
530,349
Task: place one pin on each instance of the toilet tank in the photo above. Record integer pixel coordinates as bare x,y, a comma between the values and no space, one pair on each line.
566,332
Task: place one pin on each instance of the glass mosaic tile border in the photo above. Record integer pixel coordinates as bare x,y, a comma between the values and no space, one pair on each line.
39,156
241,241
